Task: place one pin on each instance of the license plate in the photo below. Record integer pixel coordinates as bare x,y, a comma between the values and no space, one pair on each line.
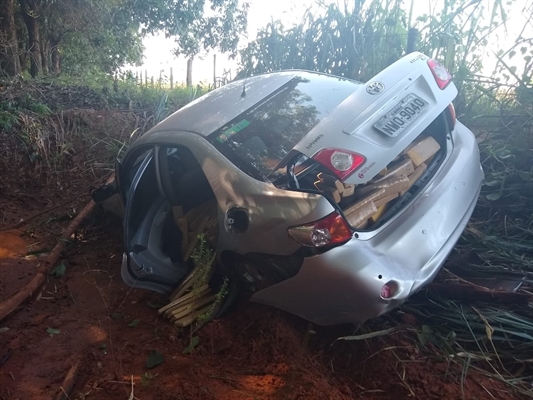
402,115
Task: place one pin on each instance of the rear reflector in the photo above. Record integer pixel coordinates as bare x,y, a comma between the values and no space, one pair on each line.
441,74
386,291
330,230
390,290
342,163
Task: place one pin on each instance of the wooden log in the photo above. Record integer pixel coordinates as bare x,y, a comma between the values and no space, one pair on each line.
331,181
177,300
384,200
10,304
403,168
415,176
423,150
191,279
186,321
195,296
362,214
371,197
473,293
177,212
194,212
349,190
328,190
379,213
191,307
194,219
395,184
184,229
68,382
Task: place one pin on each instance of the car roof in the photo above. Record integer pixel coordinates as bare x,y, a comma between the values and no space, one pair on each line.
216,108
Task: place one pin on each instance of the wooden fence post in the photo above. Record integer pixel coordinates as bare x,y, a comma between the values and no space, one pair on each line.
214,71
412,35
171,79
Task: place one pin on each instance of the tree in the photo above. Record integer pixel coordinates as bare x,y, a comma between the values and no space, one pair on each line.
197,26
30,14
108,40
78,36
9,61
355,43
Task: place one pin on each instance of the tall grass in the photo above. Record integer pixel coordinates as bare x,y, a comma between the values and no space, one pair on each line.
463,317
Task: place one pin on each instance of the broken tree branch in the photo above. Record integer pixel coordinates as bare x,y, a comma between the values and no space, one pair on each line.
68,382
11,304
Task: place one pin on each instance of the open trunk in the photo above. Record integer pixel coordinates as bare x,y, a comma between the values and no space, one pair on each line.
367,206
372,153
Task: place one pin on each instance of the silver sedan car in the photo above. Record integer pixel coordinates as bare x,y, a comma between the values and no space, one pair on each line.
332,199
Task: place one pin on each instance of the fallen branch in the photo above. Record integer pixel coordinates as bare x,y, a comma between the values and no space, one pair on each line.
11,304
68,382
475,293
24,222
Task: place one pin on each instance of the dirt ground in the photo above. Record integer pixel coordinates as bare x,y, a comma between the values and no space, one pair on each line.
252,352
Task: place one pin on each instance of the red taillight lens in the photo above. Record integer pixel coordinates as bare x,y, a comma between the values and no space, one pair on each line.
453,116
342,163
330,230
441,74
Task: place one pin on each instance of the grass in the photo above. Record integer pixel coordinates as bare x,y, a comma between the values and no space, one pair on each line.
457,318
31,112
492,334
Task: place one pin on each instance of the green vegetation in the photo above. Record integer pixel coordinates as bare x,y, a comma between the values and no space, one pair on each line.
77,67
203,257
78,37
457,318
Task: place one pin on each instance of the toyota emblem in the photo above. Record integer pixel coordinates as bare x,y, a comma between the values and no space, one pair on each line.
375,87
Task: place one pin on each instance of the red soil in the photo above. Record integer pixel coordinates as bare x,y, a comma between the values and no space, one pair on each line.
252,352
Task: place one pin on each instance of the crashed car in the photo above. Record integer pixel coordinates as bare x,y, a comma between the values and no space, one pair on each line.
331,199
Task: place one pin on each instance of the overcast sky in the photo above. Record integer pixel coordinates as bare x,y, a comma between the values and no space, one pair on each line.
158,49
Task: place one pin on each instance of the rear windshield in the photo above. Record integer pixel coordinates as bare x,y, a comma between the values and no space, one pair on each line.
261,137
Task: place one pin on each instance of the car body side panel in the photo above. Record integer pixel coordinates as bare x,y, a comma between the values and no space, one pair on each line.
344,283
270,210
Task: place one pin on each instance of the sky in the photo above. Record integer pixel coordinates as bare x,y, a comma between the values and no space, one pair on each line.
158,49
158,57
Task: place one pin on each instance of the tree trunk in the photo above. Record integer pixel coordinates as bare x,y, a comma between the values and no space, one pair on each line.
45,54
189,71
30,15
56,58
9,60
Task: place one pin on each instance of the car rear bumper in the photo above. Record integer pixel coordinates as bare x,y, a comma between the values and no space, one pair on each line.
344,283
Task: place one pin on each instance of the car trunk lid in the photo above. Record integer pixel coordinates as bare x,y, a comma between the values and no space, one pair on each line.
380,119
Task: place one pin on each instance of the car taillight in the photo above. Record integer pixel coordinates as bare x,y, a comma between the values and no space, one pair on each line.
341,162
441,74
453,116
330,230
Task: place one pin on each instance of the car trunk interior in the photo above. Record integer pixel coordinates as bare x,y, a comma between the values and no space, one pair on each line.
368,206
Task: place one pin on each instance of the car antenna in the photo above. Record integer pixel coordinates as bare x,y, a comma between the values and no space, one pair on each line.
243,94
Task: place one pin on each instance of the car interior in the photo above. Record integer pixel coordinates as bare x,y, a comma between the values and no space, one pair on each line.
161,180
